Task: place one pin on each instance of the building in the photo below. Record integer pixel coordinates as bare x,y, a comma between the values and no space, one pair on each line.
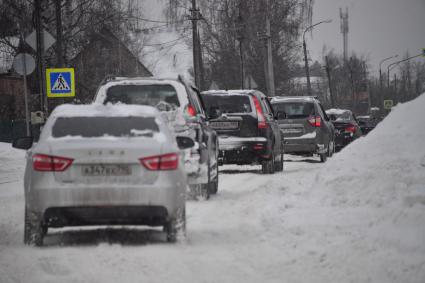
104,55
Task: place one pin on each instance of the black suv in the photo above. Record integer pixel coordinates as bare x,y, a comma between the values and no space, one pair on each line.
247,128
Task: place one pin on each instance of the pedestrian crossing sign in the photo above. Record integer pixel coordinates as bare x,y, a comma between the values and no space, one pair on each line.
60,82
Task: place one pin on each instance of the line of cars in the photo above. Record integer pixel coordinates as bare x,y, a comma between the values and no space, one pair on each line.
129,157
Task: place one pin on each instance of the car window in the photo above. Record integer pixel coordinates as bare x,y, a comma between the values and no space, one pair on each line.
194,100
228,103
153,95
104,126
295,110
323,112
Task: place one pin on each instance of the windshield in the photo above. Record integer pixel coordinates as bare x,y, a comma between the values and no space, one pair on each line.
228,104
295,110
340,116
163,97
104,126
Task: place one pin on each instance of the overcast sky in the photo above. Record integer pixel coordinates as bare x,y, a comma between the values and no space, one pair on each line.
378,28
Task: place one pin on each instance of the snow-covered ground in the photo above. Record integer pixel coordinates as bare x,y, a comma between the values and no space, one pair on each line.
358,218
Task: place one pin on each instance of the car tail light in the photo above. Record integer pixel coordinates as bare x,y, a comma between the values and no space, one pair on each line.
258,146
161,162
190,110
42,162
261,119
315,121
350,129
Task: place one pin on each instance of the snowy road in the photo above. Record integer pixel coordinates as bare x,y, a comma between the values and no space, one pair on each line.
358,218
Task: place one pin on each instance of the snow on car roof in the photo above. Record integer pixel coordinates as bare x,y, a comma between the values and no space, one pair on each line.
337,111
109,110
229,92
293,98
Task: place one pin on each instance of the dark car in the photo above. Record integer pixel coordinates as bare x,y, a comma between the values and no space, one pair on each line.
346,127
182,107
367,123
247,128
305,126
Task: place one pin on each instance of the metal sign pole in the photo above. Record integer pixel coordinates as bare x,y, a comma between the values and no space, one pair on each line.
27,121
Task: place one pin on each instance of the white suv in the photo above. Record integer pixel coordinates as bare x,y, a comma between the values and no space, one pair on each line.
181,105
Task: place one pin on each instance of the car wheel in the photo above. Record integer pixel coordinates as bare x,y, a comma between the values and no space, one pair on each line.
176,228
268,166
213,185
202,192
331,148
279,164
33,229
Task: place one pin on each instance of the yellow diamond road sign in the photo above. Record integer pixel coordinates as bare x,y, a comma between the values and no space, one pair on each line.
388,104
60,82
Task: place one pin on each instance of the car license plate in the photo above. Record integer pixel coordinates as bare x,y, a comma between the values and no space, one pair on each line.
292,131
106,170
224,125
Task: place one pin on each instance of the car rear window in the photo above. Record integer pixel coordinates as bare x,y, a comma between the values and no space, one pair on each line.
228,104
153,95
341,116
104,126
295,110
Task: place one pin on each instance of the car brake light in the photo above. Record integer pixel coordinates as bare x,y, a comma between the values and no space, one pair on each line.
258,146
42,162
190,110
315,121
162,162
261,119
350,129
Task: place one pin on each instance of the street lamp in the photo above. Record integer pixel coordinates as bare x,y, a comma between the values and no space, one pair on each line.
398,62
380,70
307,71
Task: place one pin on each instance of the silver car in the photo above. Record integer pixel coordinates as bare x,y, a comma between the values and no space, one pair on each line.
306,128
104,165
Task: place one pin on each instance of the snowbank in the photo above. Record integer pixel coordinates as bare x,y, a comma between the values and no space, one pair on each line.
387,162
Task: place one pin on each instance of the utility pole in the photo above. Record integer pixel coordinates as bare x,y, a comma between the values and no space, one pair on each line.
328,72
240,30
59,48
40,56
195,17
270,71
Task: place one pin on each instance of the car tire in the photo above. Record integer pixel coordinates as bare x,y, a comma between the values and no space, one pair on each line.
324,156
331,149
278,166
202,192
268,166
213,185
175,229
34,231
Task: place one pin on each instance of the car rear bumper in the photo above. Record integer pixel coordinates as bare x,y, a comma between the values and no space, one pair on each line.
241,150
302,146
341,140
154,201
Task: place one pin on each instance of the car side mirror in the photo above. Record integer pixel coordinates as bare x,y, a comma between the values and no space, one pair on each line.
185,142
23,142
214,113
281,115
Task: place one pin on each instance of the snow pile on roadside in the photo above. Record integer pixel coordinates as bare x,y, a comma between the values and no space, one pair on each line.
385,165
372,194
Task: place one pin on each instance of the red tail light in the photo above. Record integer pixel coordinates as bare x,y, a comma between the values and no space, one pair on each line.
161,162
350,129
190,110
315,121
261,119
42,162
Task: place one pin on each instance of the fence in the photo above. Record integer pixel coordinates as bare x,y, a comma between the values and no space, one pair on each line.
10,130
